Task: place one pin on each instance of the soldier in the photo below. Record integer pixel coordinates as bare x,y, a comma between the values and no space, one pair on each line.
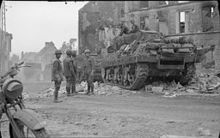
57,76
89,71
69,72
75,72
124,29
134,27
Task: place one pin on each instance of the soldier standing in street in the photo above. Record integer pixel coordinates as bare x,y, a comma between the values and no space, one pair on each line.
69,72
89,71
57,76
73,91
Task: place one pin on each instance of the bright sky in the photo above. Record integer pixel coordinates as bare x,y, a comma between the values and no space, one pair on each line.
34,23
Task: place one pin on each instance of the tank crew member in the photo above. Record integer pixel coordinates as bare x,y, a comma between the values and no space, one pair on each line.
69,72
124,29
57,74
134,27
88,70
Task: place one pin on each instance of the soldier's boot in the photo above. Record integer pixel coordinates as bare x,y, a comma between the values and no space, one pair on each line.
68,91
56,96
74,89
88,90
92,89
91,85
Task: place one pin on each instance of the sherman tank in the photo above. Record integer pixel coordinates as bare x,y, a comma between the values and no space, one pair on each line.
134,60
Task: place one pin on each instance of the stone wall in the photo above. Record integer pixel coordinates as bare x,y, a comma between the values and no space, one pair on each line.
94,15
196,16
5,49
201,22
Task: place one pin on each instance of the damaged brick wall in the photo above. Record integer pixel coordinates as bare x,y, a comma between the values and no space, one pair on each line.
169,14
41,62
201,22
92,16
5,49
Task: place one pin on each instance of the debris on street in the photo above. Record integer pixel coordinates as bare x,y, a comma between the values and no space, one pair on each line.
202,83
204,132
99,89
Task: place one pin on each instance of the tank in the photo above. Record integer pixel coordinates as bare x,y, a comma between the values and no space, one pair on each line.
134,60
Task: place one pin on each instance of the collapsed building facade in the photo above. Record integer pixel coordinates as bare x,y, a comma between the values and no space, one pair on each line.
5,42
198,20
95,16
40,63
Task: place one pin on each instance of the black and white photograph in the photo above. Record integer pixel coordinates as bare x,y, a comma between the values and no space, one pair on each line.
109,69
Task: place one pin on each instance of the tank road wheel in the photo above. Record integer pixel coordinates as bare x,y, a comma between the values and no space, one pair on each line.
120,76
112,75
132,73
141,74
108,75
116,74
125,76
188,74
103,72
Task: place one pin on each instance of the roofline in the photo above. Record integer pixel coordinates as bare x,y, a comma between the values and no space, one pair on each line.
164,6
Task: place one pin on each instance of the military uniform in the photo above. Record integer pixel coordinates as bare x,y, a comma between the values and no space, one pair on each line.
69,72
57,76
124,30
73,83
88,70
134,28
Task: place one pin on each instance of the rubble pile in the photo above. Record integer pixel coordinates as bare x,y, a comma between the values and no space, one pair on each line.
103,89
49,92
203,83
99,89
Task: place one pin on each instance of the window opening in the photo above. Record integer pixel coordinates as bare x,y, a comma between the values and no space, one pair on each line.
182,22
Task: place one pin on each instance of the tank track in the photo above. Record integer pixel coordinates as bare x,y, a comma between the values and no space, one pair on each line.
188,74
140,78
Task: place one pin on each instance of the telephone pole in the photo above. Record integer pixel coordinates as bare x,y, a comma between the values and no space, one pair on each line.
3,16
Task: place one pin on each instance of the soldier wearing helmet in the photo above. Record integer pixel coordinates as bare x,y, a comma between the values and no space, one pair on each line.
69,72
73,83
88,70
57,74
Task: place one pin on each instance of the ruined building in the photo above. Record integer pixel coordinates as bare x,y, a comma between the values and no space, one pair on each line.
198,20
95,16
5,42
41,63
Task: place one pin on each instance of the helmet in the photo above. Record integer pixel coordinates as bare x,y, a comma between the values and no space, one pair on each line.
68,52
58,52
87,51
74,53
